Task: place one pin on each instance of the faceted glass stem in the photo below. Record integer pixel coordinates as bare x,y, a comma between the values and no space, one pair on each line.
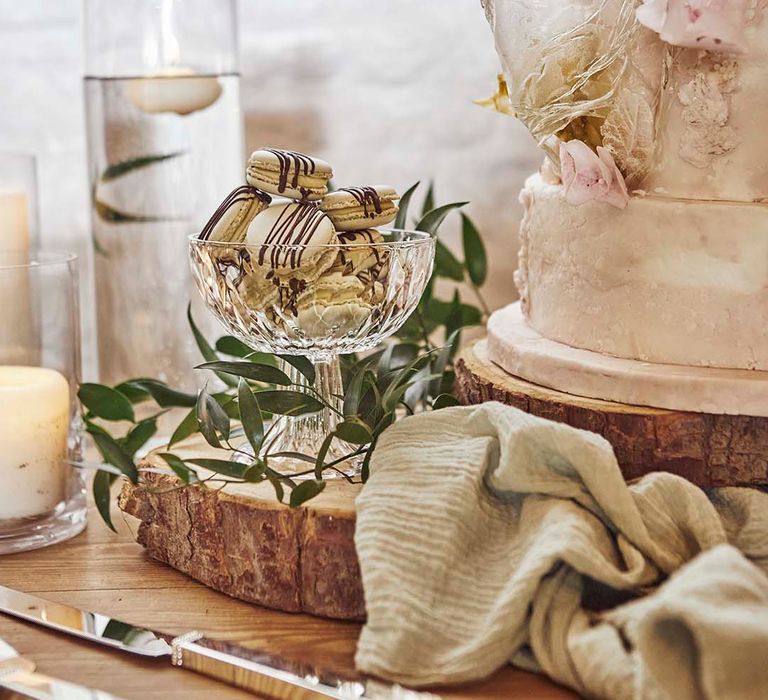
305,434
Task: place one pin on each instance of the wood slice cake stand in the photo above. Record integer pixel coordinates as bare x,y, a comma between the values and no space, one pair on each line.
244,543
709,450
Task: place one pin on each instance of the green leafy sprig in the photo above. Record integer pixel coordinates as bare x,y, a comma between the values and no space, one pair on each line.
411,373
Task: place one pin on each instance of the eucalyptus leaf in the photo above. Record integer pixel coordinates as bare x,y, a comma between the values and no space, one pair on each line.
133,391
274,479
111,172
164,396
385,361
298,456
139,435
439,311
444,401
115,455
250,415
353,392
442,360
429,199
224,467
187,427
212,421
208,353
418,389
302,365
93,428
104,402
305,491
454,319
116,216
365,467
475,257
187,475
321,453
249,370
102,496
353,431
430,222
287,402
401,221
256,473
229,345
447,264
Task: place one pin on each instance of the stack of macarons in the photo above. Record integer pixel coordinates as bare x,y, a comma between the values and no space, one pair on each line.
295,225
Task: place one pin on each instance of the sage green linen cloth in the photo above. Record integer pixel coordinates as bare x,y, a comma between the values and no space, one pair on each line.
487,536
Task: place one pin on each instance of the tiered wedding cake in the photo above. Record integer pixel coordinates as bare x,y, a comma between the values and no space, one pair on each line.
643,270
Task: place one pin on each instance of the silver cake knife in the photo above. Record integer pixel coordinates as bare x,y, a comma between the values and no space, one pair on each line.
266,674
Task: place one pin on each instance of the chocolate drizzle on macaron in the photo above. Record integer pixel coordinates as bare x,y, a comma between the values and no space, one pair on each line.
300,162
288,174
364,197
293,229
239,196
358,208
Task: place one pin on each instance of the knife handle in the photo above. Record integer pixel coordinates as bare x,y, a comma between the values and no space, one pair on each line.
257,677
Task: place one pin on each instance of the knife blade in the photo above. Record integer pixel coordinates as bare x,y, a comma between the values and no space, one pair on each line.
18,675
254,670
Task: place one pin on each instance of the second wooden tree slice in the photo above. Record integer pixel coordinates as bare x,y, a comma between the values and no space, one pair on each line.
709,450
243,543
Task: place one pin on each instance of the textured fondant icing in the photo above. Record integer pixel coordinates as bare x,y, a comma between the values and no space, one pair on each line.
521,351
711,122
665,281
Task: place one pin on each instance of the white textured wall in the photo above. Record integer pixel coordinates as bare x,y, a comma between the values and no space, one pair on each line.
382,90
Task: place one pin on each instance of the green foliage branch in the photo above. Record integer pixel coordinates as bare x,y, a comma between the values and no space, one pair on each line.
411,372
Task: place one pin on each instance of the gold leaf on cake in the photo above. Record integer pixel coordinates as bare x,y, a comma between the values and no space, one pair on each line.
628,133
499,101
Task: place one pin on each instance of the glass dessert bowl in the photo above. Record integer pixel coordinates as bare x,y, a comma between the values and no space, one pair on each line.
317,301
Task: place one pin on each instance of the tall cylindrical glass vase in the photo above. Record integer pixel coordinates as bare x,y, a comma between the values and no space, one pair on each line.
165,145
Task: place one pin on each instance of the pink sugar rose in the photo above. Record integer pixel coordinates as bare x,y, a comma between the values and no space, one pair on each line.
588,176
714,25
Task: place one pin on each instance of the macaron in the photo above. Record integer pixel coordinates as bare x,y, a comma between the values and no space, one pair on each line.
229,222
357,208
288,236
360,251
332,306
288,174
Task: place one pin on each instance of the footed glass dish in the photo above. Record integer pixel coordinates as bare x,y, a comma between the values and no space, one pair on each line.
318,301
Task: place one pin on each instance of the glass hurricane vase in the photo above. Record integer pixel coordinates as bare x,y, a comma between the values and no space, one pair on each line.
318,302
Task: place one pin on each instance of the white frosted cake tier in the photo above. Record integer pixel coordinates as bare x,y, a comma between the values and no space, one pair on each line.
523,352
664,281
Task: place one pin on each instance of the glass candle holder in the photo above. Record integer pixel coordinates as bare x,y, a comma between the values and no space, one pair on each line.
42,497
165,145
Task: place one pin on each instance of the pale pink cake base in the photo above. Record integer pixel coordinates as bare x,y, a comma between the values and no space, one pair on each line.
521,351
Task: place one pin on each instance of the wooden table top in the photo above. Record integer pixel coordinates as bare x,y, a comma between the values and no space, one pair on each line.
110,574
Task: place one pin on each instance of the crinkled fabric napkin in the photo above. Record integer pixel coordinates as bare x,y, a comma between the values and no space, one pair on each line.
489,536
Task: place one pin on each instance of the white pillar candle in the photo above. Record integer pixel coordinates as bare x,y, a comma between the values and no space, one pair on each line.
34,428
178,90
14,226
16,330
